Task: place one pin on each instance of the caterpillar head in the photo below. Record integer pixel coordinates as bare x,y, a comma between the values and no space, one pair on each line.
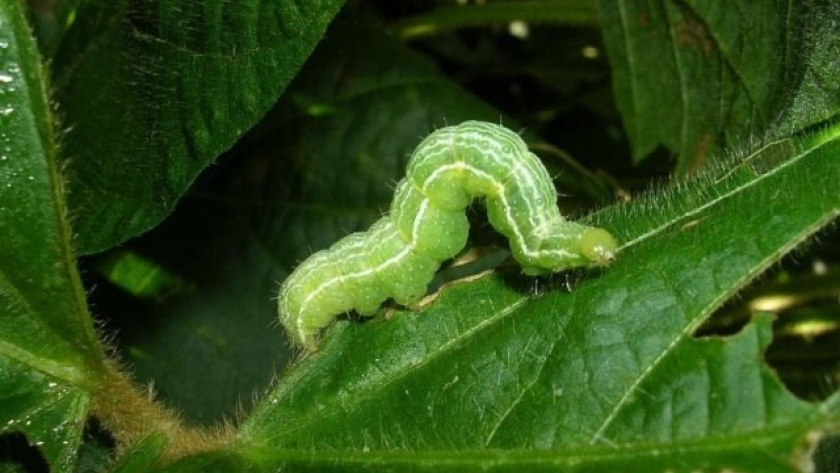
562,249
598,246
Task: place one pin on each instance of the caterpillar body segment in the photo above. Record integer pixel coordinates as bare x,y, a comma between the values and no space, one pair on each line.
427,224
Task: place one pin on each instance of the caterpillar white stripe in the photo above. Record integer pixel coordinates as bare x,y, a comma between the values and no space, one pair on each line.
427,224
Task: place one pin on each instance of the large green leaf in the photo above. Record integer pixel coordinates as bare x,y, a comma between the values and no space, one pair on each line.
49,353
608,376
709,74
153,91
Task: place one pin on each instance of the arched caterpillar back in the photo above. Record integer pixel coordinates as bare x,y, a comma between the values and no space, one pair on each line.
427,224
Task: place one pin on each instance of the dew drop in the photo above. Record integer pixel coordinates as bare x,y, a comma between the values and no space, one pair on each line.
7,110
5,78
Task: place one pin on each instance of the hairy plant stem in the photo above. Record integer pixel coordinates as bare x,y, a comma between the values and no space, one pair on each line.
130,414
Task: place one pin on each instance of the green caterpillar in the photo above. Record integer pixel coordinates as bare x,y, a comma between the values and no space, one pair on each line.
427,224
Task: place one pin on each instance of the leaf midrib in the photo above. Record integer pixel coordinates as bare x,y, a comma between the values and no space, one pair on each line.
768,434
725,196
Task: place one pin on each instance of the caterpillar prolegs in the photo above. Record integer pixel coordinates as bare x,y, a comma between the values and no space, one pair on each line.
427,224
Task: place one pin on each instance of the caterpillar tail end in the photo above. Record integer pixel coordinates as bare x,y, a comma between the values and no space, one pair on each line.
298,334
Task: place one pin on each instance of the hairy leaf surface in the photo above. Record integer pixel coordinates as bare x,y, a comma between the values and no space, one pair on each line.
49,354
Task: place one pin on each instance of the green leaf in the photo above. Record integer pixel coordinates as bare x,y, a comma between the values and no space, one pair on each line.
139,276
49,410
705,81
49,353
154,91
606,377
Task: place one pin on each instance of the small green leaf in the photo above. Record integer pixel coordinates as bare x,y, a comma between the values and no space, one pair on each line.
50,411
49,353
154,91
140,276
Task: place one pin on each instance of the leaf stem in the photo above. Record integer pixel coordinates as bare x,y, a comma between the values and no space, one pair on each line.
131,415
